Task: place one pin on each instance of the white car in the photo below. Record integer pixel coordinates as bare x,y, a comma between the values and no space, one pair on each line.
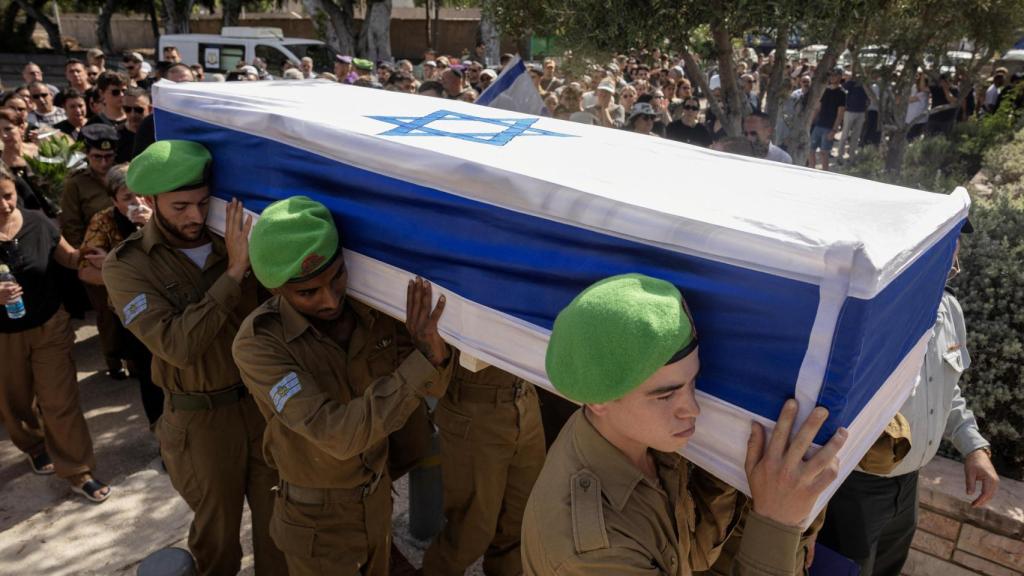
221,53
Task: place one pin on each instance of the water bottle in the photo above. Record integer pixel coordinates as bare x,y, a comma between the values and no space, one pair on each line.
15,309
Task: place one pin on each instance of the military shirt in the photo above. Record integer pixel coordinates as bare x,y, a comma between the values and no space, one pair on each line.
186,316
592,512
330,409
84,195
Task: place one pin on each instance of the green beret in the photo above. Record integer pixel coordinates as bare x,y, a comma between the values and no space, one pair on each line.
616,334
294,239
168,166
362,64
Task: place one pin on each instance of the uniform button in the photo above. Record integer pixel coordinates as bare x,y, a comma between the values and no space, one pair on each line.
932,411
930,378
585,484
929,442
672,561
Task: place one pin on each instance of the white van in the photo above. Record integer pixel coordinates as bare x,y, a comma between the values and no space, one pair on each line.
220,53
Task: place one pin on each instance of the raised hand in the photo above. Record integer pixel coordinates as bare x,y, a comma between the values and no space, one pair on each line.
783,485
236,239
422,322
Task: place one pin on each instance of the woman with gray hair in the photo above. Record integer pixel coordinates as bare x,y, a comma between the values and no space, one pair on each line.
107,229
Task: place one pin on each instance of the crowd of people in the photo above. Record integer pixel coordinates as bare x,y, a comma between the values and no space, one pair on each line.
264,384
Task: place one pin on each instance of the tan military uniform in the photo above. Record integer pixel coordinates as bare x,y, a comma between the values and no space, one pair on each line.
492,450
593,512
102,233
84,196
330,407
211,431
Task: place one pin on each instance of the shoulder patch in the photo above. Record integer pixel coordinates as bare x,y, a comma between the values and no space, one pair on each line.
134,307
283,391
588,529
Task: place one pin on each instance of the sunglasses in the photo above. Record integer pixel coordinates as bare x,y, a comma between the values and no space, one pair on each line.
753,133
42,96
116,91
693,108
9,253
135,109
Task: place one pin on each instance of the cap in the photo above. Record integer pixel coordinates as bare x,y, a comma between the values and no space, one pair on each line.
247,70
344,59
607,86
616,334
95,53
443,61
100,136
362,64
169,166
641,109
294,240
133,57
489,73
838,70
430,63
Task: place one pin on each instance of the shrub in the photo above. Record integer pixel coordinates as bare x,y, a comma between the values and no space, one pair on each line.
1005,163
991,290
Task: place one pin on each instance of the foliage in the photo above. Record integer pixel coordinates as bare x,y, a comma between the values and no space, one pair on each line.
991,290
56,157
1006,163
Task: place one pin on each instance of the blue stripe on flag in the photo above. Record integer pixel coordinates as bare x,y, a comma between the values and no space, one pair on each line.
507,78
754,326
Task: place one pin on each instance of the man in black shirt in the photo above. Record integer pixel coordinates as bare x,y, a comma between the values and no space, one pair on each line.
137,107
942,94
828,119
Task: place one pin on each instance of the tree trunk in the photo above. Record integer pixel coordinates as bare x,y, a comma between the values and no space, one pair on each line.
799,138
231,9
778,84
489,33
436,30
895,111
333,23
179,13
103,26
375,35
34,12
734,110
426,19
154,21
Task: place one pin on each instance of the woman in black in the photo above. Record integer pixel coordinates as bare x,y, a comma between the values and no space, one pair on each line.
35,350
687,129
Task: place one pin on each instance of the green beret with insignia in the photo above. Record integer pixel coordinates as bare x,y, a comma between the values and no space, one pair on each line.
169,166
362,64
614,335
100,136
294,239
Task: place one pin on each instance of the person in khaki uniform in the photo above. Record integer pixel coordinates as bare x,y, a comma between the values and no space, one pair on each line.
883,456
492,449
184,292
334,379
614,496
85,194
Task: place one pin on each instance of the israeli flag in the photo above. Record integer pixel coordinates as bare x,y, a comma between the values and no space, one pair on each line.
513,90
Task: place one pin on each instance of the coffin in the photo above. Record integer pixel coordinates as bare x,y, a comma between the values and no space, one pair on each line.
802,283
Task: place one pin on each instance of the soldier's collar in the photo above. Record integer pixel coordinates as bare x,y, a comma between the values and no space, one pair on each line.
294,323
619,477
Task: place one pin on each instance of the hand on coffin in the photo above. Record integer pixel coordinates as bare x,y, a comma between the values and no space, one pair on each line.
236,239
422,322
783,484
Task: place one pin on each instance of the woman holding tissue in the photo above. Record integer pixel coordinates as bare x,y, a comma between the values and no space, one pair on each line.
107,229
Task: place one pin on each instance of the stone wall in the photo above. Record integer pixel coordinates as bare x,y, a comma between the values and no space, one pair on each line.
954,539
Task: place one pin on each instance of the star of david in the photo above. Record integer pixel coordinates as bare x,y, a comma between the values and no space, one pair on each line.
420,126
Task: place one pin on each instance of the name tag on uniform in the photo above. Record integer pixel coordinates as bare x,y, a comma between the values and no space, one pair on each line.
134,308
282,391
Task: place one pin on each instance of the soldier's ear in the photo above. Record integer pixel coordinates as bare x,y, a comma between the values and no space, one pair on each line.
598,409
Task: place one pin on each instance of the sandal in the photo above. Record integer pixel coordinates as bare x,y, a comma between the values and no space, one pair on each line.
91,490
41,463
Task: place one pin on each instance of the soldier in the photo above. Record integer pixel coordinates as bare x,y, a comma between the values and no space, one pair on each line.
492,449
614,497
85,194
333,378
183,293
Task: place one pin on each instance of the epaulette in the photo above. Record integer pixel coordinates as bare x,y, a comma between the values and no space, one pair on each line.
129,241
588,529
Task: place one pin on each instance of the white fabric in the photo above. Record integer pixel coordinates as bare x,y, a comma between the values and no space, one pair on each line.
776,154
520,96
198,255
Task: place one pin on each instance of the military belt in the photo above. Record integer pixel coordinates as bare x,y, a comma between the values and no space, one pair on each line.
195,402
491,395
317,496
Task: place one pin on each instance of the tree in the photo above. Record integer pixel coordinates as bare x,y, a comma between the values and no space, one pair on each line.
375,35
334,20
177,14
489,34
34,10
